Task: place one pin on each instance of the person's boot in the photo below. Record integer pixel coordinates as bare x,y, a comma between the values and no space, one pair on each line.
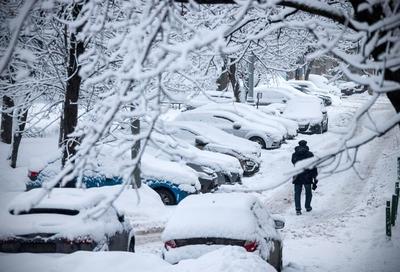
309,209
298,212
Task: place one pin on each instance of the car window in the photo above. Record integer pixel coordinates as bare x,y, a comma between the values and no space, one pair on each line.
223,119
186,134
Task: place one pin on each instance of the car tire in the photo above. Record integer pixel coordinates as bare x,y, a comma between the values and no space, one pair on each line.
258,140
166,196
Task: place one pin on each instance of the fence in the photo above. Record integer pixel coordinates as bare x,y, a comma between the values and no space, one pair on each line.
391,211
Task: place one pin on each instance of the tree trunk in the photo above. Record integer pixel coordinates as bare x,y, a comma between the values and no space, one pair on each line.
135,129
308,70
22,115
76,49
6,120
234,82
223,79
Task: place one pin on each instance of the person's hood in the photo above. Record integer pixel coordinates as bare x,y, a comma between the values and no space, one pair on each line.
301,149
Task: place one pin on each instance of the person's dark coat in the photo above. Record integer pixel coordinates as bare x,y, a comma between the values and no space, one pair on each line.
308,175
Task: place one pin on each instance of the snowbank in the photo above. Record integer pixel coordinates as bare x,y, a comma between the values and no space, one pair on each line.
227,259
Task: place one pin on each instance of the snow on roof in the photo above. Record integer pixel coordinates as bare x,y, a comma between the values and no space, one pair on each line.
62,225
220,137
60,198
217,215
251,113
274,133
304,110
203,98
177,173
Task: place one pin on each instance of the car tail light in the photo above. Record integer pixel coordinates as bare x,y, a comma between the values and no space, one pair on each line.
33,174
250,246
169,244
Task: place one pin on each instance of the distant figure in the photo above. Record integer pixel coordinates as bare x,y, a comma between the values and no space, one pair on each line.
307,177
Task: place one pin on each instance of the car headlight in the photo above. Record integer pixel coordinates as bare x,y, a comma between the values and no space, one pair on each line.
250,163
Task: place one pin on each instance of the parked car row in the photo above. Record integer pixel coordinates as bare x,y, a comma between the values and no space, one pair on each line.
63,222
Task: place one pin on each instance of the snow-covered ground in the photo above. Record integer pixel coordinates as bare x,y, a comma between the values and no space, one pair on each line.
345,230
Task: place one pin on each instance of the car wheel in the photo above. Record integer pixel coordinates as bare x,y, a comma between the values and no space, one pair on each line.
166,196
258,140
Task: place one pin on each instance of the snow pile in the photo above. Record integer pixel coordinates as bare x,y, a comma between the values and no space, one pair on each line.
226,259
83,261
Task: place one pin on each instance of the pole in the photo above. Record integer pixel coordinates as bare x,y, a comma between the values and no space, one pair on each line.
250,95
394,204
388,225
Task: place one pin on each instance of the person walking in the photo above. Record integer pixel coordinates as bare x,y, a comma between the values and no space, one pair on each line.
307,178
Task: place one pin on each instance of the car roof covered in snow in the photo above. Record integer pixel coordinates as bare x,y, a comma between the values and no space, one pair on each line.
64,213
226,215
274,133
310,109
218,136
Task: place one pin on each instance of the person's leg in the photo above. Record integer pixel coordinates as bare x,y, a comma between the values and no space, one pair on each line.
297,196
308,197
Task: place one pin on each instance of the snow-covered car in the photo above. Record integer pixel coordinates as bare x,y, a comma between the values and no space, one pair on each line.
203,98
310,114
252,114
207,222
227,168
266,137
323,83
282,94
308,87
63,223
349,87
174,181
210,138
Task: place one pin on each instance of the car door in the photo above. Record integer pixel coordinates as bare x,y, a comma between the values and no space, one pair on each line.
273,96
229,125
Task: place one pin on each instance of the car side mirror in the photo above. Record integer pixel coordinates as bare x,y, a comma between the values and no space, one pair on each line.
279,221
236,126
279,224
200,141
